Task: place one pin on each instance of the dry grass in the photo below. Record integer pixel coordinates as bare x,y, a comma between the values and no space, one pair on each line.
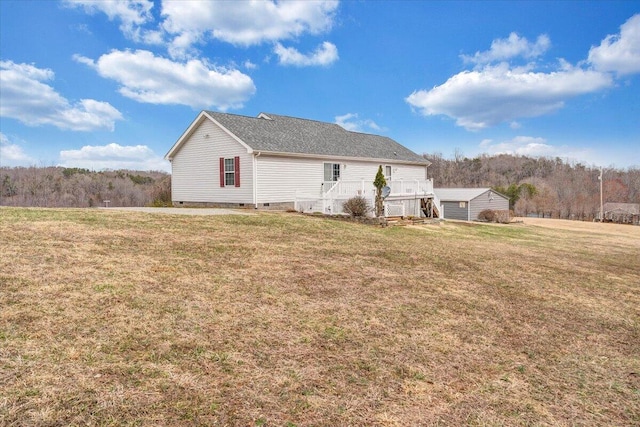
115,318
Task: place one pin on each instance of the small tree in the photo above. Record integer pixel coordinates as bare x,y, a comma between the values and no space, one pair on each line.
514,192
379,182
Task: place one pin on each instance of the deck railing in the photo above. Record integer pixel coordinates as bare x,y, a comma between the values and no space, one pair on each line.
334,193
362,187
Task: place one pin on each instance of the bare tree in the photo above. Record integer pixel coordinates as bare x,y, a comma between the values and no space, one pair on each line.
565,189
76,187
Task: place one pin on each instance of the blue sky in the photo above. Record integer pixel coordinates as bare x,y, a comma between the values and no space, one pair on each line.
113,84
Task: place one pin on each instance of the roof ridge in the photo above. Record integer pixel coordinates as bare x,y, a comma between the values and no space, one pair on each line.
270,115
326,123
229,114
301,118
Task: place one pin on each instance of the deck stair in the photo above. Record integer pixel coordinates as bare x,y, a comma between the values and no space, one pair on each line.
430,208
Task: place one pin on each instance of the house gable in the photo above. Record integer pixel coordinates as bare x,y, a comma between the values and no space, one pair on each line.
203,116
198,166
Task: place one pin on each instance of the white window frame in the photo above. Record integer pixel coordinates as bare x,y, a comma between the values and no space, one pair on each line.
229,172
335,167
388,172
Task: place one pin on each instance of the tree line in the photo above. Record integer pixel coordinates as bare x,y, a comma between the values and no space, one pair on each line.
543,186
78,187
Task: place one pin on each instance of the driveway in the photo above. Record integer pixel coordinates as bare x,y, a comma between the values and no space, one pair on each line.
185,211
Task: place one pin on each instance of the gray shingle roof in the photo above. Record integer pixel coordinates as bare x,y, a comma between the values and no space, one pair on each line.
459,194
283,134
628,208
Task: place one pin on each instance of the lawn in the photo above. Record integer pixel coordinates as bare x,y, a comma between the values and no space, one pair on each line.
275,319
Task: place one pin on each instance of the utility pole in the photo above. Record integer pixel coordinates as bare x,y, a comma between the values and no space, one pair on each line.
601,198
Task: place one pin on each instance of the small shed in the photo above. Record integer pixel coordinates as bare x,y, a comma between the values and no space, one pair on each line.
466,203
623,213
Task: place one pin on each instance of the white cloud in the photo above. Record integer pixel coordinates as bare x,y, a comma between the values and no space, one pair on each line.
536,147
495,94
132,14
520,145
324,55
12,154
113,156
147,78
350,121
619,53
243,23
496,91
511,47
82,28
27,98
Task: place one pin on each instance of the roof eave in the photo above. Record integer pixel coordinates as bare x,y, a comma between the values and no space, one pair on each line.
337,157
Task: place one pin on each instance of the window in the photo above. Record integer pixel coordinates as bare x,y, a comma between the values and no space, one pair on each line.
463,204
387,172
331,171
230,171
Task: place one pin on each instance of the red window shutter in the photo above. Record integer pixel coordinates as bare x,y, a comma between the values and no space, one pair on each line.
237,168
221,171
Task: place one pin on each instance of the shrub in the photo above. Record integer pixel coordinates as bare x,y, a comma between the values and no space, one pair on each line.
356,206
487,215
503,217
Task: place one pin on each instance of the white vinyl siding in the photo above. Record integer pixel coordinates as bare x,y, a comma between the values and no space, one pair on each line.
279,177
196,168
363,170
358,170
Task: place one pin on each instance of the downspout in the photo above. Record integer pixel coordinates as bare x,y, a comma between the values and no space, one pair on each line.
255,179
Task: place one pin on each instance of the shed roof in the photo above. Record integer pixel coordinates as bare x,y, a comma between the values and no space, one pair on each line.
628,208
283,134
461,194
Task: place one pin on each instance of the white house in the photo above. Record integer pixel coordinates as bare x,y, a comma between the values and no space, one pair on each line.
273,161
